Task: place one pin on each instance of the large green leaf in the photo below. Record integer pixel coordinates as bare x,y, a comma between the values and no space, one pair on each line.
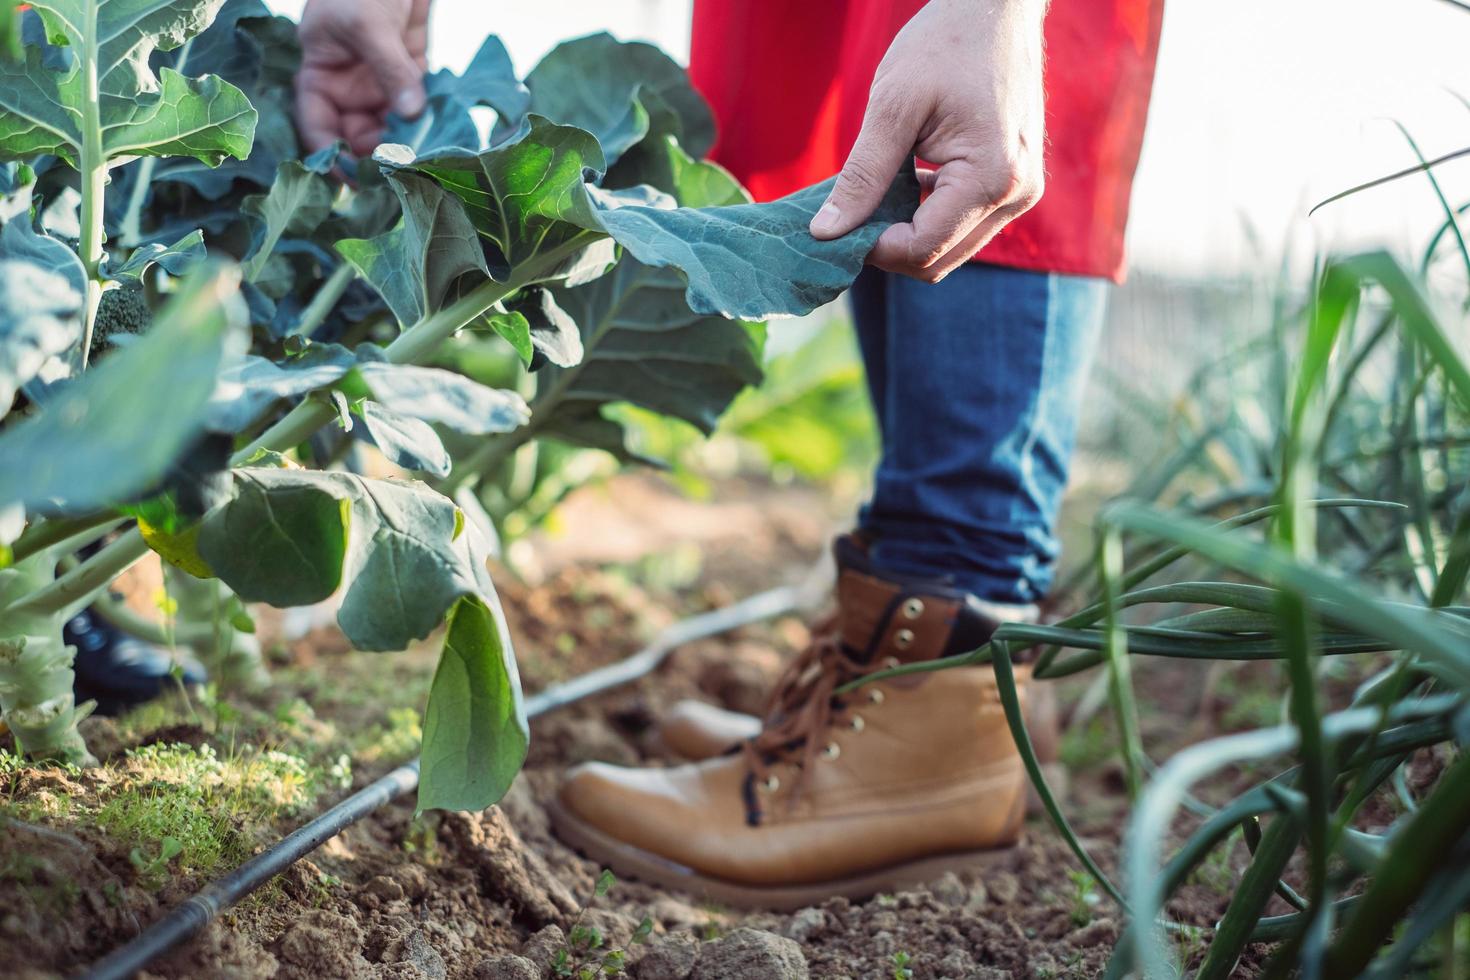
141,114
620,93
428,259
392,542
42,285
529,198
115,431
407,561
475,729
524,197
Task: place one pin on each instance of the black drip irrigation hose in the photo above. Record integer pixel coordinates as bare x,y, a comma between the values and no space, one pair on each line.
188,918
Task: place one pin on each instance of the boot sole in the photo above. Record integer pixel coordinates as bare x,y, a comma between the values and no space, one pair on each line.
634,862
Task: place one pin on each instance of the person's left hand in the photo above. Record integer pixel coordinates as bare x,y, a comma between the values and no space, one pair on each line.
960,87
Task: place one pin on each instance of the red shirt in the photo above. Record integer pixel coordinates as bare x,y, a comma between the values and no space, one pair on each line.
789,79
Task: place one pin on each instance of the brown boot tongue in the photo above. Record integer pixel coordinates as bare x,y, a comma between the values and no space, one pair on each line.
882,619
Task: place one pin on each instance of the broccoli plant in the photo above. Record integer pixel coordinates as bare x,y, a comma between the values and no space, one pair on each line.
581,234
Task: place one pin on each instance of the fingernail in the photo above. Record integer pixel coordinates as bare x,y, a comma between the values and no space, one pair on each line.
410,103
824,222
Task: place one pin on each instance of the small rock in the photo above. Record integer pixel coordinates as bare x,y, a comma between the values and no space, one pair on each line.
747,954
979,896
674,914
1099,932
957,963
672,959
883,943
541,947
950,890
1004,887
990,973
505,966
806,924
883,920
415,949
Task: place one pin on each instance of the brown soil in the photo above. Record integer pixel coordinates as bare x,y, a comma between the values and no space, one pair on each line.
449,895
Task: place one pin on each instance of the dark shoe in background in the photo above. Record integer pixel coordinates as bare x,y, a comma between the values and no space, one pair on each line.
120,671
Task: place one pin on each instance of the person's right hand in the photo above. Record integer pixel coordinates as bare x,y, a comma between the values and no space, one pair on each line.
360,60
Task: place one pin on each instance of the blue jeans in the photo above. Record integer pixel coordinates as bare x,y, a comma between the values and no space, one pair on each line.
976,382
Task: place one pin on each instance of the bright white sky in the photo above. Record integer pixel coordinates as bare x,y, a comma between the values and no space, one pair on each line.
1261,108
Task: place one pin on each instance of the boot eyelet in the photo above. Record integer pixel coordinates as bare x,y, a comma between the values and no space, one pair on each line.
771,783
903,638
875,696
832,751
913,609
890,663
857,724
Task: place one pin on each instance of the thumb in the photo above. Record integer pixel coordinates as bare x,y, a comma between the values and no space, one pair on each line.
399,77
885,142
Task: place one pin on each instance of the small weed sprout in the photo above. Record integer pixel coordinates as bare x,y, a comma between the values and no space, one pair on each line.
583,956
901,968
1084,898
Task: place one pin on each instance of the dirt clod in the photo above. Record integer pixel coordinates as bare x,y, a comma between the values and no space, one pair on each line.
416,950
542,946
672,959
806,924
508,869
322,944
749,954
505,966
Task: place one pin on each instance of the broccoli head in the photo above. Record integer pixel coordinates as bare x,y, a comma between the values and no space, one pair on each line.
123,310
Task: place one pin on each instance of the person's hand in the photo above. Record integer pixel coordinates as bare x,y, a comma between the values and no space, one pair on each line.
360,60
960,87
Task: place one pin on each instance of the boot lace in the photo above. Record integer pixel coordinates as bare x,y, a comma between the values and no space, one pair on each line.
801,706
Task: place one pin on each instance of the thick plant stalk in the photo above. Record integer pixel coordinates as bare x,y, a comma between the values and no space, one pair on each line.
36,673
207,609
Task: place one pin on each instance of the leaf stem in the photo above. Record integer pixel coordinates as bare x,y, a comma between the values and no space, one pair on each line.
325,298
93,166
47,534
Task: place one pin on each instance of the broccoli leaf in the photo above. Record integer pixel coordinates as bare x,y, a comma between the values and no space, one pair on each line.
645,346
251,384
428,259
443,397
529,199
141,113
475,730
174,259
115,431
619,92
407,442
297,203
42,285
257,53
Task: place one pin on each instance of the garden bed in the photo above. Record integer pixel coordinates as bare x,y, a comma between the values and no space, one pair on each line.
82,867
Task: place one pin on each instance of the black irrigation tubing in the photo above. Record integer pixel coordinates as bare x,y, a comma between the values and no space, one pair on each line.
188,918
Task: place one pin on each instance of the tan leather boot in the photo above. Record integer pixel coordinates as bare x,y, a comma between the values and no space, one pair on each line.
876,790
